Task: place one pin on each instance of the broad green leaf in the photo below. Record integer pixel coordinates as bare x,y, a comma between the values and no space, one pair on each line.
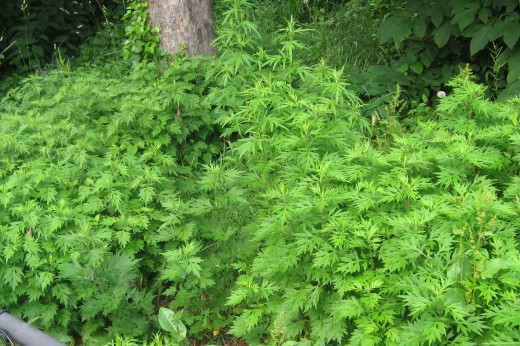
494,265
466,16
480,40
171,322
428,55
419,27
512,34
442,34
510,91
484,14
437,15
403,68
417,67
514,67
498,29
396,28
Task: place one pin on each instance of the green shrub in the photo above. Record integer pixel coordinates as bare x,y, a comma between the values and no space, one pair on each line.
435,38
343,33
94,164
364,235
305,223
411,243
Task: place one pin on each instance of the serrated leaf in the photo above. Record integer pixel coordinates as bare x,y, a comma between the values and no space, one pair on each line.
44,279
236,297
123,237
62,292
247,320
13,276
435,331
146,194
416,303
193,266
349,308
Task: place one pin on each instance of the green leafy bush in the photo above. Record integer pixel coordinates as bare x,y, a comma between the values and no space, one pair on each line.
343,33
407,237
410,243
415,244
93,166
305,223
435,38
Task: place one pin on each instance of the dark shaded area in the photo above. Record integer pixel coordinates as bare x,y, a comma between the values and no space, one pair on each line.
34,32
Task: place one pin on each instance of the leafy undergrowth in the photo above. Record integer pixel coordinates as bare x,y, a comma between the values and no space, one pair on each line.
250,195
409,238
93,166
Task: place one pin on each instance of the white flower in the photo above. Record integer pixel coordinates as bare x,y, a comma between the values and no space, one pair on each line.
441,94
305,2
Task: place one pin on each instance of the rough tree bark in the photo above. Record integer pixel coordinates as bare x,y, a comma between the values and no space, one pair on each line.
184,22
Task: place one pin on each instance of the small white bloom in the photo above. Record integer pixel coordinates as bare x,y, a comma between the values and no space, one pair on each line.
305,2
441,94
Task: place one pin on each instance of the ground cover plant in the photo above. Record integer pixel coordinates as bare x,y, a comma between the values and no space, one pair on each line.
409,240
256,197
371,233
91,163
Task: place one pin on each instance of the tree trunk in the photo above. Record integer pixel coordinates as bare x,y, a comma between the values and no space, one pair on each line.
184,22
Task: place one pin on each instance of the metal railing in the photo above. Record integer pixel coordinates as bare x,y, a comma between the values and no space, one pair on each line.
16,332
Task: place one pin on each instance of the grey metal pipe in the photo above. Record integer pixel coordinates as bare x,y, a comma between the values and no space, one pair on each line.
23,333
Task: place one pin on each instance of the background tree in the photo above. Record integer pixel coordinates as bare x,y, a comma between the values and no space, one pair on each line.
187,23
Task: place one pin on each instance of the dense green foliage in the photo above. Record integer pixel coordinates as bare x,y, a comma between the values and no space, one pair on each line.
92,165
435,38
408,240
252,196
401,234
343,33
142,41
33,32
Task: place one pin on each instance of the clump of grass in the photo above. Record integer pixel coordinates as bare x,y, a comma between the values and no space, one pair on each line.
347,38
156,340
